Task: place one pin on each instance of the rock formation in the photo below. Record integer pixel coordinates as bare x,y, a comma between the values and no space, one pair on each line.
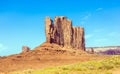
63,33
25,49
90,50
103,49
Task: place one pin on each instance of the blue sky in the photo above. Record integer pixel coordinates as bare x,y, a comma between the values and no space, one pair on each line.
22,21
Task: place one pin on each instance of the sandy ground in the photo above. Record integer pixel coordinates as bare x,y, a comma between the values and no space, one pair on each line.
45,56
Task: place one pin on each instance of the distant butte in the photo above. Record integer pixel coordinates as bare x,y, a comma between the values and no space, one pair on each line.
62,32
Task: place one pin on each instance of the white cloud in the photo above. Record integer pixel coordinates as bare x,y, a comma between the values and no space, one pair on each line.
88,36
86,16
99,9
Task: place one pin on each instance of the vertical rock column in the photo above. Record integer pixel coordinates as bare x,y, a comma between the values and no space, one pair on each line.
74,43
82,44
59,31
48,29
62,33
78,38
68,33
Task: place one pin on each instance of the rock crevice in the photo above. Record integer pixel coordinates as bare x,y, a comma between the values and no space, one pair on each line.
63,33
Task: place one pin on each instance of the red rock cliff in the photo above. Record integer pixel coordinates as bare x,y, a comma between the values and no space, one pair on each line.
63,33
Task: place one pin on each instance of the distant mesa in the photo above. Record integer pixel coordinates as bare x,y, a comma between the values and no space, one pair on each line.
104,50
62,32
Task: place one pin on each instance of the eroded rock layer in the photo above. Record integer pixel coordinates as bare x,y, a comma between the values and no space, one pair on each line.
63,33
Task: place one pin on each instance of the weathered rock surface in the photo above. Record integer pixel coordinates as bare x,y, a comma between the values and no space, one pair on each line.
25,49
63,33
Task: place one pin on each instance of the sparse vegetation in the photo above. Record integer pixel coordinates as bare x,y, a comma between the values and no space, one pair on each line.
91,67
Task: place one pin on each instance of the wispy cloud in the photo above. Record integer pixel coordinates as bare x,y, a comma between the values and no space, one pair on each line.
86,16
88,36
99,9
2,47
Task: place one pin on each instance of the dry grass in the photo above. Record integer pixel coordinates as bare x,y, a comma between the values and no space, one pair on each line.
91,67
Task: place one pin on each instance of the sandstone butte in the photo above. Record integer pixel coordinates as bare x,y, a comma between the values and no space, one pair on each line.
62,32
64,44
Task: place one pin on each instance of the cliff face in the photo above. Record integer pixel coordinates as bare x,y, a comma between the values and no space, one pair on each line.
63,33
